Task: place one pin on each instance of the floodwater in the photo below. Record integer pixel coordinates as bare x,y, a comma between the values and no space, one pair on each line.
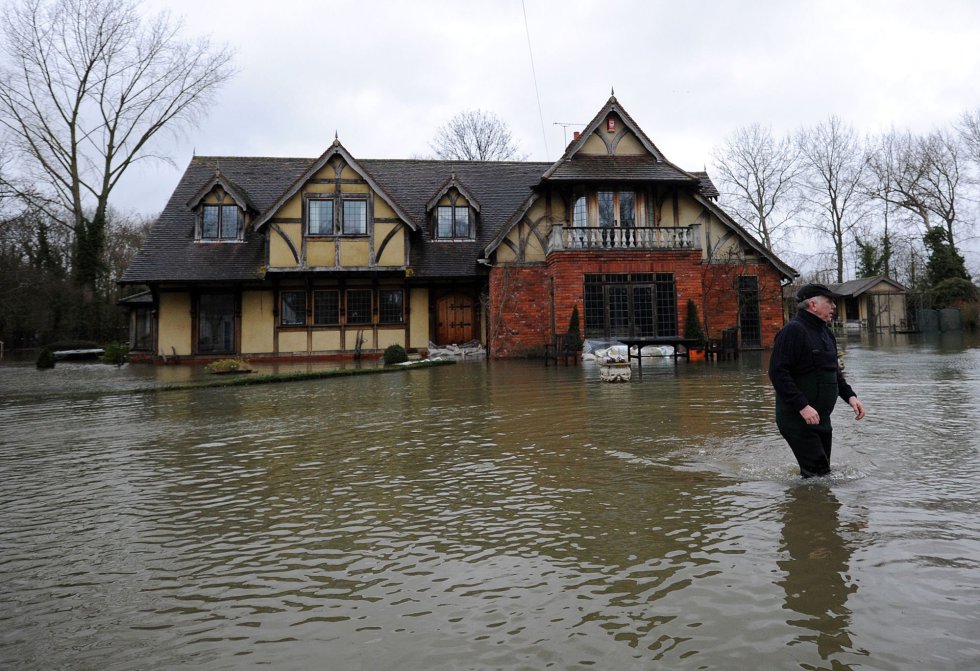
502,516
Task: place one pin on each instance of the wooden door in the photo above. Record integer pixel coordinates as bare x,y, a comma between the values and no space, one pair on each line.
454,319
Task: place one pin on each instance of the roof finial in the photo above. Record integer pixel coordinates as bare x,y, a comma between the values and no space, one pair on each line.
612,94
336,137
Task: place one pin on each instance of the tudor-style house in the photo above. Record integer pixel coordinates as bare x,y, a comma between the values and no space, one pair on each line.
306,258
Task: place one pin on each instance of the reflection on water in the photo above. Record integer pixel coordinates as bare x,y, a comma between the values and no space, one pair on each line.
817,568
505,516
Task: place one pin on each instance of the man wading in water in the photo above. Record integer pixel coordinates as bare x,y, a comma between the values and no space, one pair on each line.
806,375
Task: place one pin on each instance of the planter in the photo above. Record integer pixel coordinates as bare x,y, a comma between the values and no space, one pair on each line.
695,354
615,372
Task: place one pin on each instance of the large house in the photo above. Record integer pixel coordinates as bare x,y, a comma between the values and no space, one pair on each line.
336,255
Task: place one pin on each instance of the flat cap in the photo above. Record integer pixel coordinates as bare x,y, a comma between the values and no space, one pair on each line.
813,290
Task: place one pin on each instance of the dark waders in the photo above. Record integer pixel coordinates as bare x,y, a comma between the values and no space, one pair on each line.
810,443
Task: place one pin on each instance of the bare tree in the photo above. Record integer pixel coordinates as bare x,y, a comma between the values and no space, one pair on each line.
896,174
757,175
942,155
475,135
88,85
833,169
969,130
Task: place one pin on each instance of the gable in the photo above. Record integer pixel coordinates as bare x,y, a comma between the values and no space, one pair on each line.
336,165
613,147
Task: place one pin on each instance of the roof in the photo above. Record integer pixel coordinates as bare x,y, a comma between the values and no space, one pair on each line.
654,164
336,149
170,253
788,271
502,192
501,187
618,168
859,286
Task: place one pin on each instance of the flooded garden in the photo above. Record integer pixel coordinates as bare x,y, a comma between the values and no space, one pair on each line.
490,516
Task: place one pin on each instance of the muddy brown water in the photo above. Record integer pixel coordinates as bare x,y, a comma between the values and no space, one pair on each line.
502,516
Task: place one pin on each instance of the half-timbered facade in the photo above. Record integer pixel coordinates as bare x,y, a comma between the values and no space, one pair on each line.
286,258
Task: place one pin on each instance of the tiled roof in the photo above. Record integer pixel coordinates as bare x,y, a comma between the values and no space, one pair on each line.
853,288
708,188
620,168
170,253
500,187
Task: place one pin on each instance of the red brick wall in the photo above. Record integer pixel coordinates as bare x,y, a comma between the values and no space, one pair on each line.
720,298
521,311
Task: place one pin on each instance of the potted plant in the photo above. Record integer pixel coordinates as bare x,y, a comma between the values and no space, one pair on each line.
694,332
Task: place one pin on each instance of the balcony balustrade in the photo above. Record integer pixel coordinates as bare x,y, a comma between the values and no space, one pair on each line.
573,238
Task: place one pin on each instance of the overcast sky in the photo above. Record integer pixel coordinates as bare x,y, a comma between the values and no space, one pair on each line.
385,75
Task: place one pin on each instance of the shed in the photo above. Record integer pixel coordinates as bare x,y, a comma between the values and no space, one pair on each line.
872,303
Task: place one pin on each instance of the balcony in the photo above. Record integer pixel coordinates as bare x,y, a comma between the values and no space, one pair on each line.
569,238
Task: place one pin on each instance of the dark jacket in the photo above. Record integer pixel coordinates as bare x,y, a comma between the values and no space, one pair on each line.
805,345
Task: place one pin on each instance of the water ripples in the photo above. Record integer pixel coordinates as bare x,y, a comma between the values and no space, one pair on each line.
506,516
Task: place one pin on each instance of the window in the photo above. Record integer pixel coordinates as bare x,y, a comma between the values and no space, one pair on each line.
293,311
326,307
627,209
624,305
651,209
219,222
319,217
615,208
358,306
216,323
606,209
143,329
355,217
391,310
453,221
580,212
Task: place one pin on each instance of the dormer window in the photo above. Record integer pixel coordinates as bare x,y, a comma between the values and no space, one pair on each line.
220,222
452,221
453,212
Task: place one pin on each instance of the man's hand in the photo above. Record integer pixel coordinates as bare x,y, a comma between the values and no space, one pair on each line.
858,407
809,415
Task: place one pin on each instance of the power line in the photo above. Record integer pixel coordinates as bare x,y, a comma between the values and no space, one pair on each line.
534,76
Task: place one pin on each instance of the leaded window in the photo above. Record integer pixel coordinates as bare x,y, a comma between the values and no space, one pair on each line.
219,222
355,217
453,221
391,309
216,323
293,312
630,305
326,307
358,306
319,217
